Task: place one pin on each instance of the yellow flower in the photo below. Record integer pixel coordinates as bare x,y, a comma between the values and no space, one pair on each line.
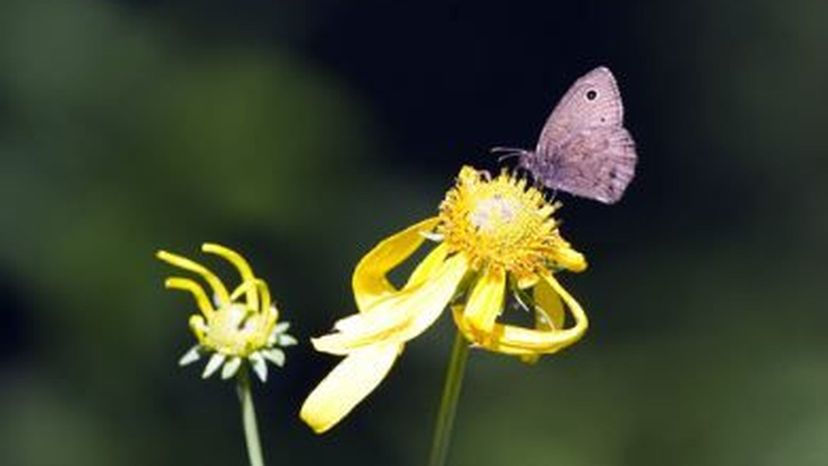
243,325
491,235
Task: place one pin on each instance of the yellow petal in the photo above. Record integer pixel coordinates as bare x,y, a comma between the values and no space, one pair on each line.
401,316
218,288
427,306
348,384
376,316
369,281
428,266
241,265
569,258
486,300
425,270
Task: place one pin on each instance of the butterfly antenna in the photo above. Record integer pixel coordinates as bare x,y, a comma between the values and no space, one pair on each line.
508,152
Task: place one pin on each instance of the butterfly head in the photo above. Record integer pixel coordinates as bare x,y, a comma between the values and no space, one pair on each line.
528,160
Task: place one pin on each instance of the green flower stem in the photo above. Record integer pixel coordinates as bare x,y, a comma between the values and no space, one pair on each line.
251,431
448,403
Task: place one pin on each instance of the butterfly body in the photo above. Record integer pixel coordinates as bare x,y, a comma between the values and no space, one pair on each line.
584,148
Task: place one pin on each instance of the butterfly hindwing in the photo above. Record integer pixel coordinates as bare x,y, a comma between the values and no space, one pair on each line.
599,164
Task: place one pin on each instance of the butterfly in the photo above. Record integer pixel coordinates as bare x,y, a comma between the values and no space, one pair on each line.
584,148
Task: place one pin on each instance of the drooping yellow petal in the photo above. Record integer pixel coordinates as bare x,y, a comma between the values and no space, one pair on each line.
401,316
369,280
377,316
348,384
186,264
486,300
428,306
428,266
241,264
425,270
510,339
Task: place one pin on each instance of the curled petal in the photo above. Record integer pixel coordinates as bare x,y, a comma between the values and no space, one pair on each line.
348,384
510,339
218,288
401,316
521,341
369,281
256,285
241,264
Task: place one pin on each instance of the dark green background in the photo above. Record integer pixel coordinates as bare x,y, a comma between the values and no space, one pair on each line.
302,132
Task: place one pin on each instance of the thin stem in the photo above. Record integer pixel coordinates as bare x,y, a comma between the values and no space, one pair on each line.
448,403
251,431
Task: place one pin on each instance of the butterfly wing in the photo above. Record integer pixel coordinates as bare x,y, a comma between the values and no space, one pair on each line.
592,101
597,163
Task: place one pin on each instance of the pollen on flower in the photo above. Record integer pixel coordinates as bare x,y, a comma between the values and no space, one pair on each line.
503,223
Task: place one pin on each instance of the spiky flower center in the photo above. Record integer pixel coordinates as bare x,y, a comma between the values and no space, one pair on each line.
501,222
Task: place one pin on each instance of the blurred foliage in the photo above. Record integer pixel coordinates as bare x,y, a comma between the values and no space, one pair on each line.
301,135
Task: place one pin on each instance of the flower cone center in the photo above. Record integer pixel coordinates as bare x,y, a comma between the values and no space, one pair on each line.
237,330
499,222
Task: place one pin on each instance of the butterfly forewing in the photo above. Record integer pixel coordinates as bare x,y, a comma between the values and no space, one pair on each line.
593,100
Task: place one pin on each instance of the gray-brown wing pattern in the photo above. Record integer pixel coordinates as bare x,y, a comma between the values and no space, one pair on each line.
599,164
583,148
